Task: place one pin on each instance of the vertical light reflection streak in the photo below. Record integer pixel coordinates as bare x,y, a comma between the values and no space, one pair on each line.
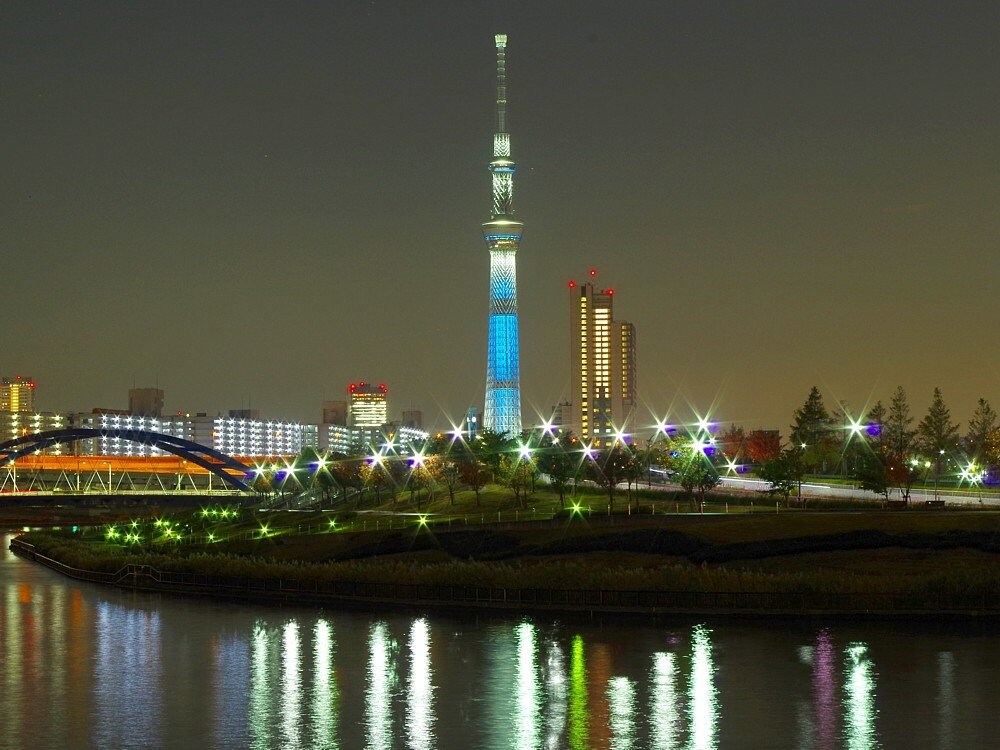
325,695
664,715
702,695
261,701
555,696
824,684
231,676
859,702
128,664
381,680
946,699
291,686
13,665
621,701
420,691
528,710
578,718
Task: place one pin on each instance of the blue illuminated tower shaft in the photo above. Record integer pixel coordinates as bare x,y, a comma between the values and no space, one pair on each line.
503,234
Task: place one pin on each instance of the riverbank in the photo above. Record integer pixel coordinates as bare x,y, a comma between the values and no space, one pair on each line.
884,564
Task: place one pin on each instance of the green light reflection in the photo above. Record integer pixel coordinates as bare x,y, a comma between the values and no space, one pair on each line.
555,696
325,694
291,686
578,716
527,708
381,683
420,691
703,704
260,721
664,715
859,701
621,702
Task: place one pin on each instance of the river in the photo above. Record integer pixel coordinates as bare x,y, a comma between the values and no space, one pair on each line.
86,666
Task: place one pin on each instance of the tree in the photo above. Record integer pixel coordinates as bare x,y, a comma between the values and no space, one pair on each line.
991,449
937,434
897,426
607,468
516,472
903,472
875,428
983,422
693,470
732,442
784,473
560,462
490,447
873,475
814,432
763,445
472,473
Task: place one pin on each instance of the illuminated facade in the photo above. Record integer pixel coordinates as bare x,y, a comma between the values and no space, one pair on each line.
603,365
15,424
230,435
369,404
17,394
503,235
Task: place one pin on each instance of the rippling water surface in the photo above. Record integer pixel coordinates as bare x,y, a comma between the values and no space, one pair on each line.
90,667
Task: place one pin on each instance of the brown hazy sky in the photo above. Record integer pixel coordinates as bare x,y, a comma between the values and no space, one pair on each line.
259,202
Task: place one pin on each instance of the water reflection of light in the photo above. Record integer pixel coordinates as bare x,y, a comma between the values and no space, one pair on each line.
555,696
230,676
12,650
261,703
291,684
128,664
420,692
621,702
664,715
527,712
859,702
946,699
324,702
824,685
703,707
578,719
381,681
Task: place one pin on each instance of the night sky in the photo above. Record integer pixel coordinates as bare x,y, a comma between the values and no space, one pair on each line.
255,203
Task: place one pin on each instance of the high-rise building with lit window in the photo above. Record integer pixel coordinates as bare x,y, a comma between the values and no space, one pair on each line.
17,394
603,365
369,404
503,235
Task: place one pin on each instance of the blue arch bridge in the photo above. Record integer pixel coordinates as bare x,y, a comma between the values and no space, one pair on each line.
233,473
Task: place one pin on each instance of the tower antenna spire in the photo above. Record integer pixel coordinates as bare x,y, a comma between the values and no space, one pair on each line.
503,236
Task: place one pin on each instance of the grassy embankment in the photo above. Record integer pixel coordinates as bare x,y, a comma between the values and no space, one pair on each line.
725,549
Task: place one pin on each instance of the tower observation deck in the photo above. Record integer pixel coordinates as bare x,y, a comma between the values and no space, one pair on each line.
503,235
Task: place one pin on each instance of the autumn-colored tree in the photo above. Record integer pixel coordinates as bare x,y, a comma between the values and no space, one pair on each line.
762,445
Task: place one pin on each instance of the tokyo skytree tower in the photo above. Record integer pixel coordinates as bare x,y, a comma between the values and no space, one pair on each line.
503,234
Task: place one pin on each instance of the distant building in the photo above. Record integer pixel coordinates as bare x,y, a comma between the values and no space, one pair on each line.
473,422
15,424
17,394
369,404
602,365
562,415
414,419
145,402
244,413
335,412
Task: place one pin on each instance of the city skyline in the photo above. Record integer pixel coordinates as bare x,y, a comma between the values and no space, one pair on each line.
222,202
